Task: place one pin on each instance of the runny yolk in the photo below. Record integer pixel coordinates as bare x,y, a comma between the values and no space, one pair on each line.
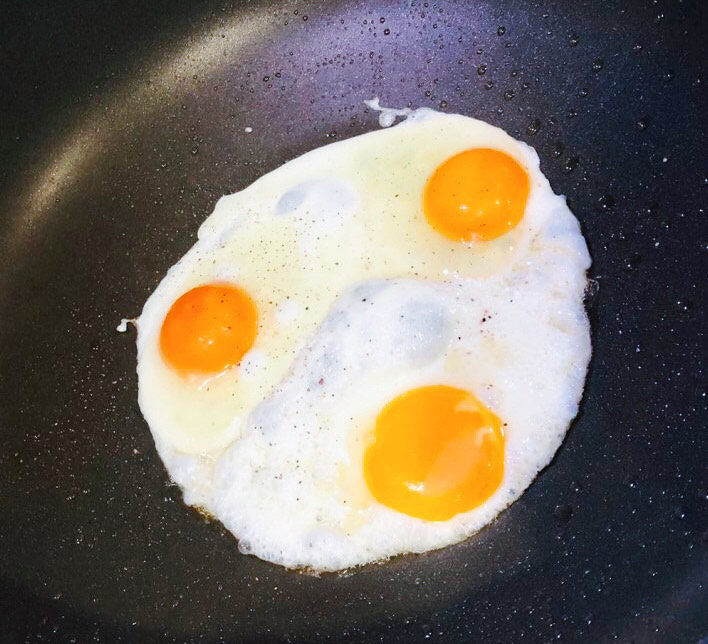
208,329
437,451
478,194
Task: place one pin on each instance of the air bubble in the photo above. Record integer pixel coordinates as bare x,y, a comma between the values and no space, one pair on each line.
643,123
597,65
573,40
501,31
482,70
509,94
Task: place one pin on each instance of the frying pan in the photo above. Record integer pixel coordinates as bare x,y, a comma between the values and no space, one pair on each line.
123,122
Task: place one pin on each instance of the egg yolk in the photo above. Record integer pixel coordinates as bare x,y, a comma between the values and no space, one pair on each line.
479,194
437,451
208,329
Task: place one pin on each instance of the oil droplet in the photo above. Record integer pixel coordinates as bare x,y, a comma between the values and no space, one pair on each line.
482,70
533,127
668,76
685,305
563,512
606,202
573,40
634,260
558,148
501,31
637,46
509,94
488,85
643,123
631,481
572,163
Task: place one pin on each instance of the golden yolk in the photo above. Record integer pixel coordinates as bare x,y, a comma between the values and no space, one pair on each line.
437,451
479,194
208,329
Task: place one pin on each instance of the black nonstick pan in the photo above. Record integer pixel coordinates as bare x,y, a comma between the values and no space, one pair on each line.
121,124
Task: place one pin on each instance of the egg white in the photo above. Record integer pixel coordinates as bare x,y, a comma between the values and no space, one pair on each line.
360,300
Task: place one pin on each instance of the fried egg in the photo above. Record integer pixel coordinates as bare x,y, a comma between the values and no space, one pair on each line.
374,348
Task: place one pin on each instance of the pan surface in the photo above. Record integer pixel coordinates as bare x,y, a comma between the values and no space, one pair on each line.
123,122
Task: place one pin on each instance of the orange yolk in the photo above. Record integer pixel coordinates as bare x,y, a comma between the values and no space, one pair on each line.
479,194
437,451
208,329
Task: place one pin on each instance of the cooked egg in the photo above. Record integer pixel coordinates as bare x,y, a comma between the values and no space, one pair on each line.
374,348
